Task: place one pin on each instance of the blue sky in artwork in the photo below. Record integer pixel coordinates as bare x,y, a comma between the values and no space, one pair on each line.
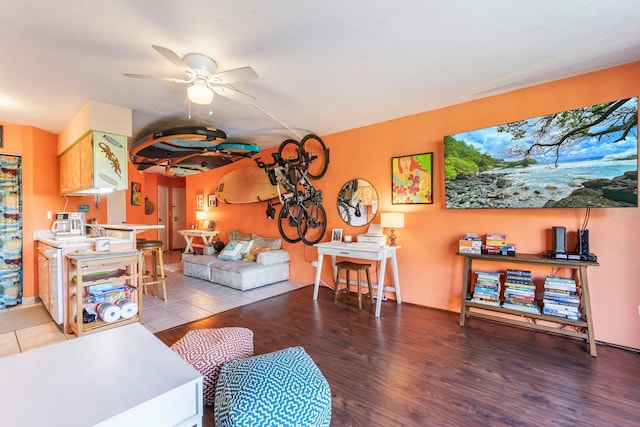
494,143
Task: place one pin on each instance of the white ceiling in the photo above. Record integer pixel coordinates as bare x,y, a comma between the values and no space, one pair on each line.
324,65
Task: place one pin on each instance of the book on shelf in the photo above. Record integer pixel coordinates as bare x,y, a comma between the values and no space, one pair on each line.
529,309
569,300
511,272
563,314
494,303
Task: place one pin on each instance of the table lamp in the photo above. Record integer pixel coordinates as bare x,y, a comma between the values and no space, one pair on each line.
393,221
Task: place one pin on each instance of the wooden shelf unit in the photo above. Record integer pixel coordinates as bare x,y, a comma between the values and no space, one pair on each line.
82,264
580,328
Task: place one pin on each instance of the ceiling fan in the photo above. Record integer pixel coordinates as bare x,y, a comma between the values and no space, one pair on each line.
203,78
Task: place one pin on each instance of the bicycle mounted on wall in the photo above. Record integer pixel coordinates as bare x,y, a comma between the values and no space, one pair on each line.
302,216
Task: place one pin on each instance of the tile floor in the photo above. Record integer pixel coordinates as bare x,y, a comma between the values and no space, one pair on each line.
189,299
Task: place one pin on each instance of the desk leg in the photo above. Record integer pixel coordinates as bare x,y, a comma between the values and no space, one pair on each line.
383,267
189,241
316,284
396,280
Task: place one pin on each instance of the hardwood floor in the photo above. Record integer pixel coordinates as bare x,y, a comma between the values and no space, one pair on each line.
416,366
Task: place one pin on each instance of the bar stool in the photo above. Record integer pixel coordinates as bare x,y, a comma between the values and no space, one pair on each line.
349,266
156,275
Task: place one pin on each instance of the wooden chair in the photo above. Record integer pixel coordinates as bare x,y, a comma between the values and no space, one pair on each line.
349,266
156,275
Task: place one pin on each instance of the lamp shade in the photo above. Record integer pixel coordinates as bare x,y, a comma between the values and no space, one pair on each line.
200,93
393,220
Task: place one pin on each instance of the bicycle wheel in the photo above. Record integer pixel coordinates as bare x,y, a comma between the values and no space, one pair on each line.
312,222
343,209
288,222
288,150
317,155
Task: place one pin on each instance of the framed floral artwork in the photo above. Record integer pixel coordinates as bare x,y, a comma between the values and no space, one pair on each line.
212,201
412,179
199,202
336,235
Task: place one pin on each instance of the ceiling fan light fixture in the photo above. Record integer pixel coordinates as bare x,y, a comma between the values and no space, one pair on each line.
200,93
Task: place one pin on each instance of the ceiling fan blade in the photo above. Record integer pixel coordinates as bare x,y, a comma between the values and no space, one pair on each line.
233,76
173,58
169,79
234,94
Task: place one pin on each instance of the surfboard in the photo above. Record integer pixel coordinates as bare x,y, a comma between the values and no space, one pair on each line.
187,150
246,185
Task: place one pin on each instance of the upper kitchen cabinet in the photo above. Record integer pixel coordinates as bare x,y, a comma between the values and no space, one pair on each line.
96,163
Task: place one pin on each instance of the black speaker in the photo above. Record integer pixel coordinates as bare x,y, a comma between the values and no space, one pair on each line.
583,242
559,240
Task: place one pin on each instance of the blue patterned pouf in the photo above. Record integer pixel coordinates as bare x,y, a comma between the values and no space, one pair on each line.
283,388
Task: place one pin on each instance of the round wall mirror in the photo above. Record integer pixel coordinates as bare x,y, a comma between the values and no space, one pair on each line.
357,202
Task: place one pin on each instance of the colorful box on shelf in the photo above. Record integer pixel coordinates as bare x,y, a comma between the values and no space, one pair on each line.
111,294
496,239
470,244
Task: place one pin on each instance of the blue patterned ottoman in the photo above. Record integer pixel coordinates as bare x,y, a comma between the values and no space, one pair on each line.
208,349
283,388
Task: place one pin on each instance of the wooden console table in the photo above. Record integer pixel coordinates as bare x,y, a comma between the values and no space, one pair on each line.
574,328
205,235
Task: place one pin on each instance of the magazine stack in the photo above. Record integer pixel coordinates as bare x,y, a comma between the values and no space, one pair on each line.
520,292
561,298
487,288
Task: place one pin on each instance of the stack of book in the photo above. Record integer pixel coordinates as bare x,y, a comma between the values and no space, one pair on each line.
561,298
496,244
487,288
520,292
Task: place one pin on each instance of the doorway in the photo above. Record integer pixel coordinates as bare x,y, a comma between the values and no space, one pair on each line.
178,216
163,216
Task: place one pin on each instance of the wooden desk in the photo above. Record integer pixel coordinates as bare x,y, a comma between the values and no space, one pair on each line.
365,252
205,235
120,377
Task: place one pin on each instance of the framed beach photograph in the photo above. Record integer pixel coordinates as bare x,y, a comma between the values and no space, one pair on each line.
199,202
412,179
336,235
581,158
136,193
212,201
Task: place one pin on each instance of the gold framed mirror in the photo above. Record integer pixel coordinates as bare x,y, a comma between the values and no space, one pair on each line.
357,202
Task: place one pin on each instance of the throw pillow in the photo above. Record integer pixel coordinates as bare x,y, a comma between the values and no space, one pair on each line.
265,242
232,252
247,246
237,235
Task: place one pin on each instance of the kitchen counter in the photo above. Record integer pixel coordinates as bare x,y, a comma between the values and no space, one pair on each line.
80,243
128,231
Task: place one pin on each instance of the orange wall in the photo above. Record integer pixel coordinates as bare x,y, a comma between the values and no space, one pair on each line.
430,272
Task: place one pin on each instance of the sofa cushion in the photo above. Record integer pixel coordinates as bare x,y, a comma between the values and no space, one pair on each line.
272,257
283,388
198,266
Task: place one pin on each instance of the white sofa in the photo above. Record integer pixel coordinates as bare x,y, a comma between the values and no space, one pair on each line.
271,264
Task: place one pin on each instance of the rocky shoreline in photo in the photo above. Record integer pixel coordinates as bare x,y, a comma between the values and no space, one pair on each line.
498,190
